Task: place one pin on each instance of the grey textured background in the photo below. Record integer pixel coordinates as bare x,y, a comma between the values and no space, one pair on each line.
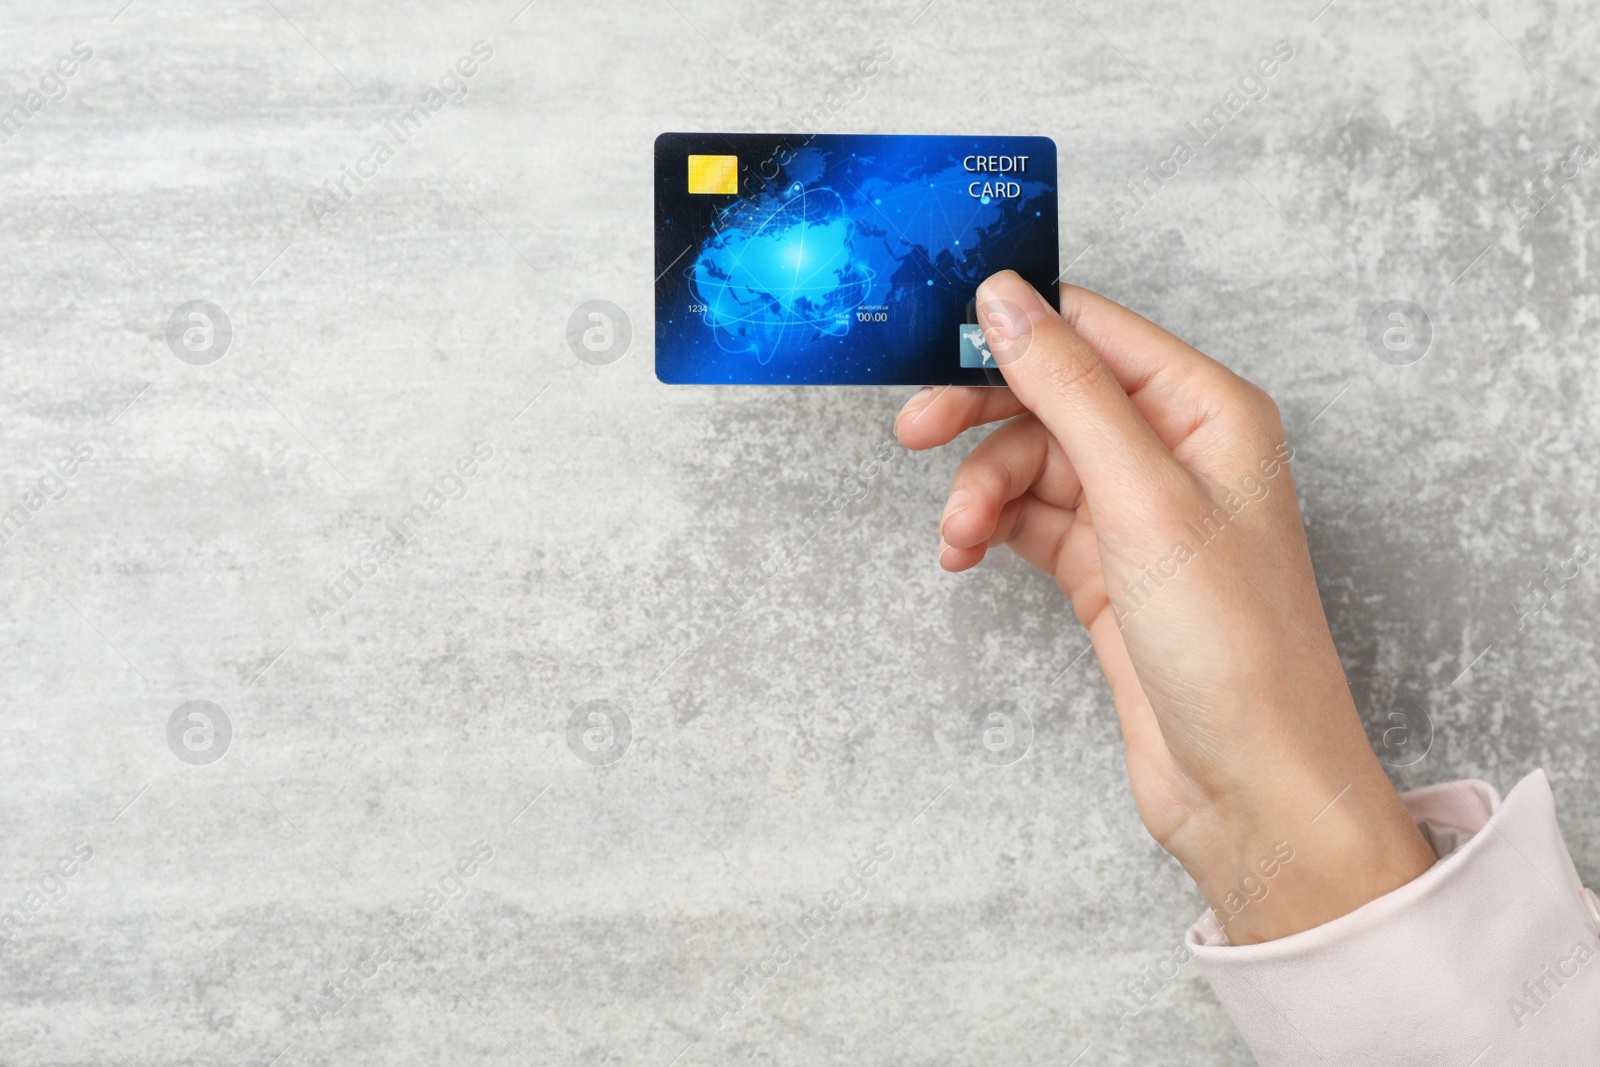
593,555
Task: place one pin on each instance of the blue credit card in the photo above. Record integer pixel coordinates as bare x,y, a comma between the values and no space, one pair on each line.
842,259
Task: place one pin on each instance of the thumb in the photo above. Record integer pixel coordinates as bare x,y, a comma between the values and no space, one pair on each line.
1061,378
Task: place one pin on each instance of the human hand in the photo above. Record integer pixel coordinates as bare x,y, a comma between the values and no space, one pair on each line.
1153,484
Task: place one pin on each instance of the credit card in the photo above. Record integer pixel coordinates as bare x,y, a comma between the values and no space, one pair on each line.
842,259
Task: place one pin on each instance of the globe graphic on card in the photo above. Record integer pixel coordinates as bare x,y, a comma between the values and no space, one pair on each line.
783,271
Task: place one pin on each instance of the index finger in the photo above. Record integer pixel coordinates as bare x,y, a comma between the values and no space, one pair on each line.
936,417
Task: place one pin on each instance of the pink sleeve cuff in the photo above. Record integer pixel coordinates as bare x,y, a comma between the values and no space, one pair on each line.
1491,957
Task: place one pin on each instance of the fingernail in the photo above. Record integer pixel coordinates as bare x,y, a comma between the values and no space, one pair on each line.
918,401
943,548
954,506
1008,307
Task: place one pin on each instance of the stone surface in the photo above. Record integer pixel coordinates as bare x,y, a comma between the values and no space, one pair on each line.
615,545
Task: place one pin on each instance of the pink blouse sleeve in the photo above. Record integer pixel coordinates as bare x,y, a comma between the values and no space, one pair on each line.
1492,957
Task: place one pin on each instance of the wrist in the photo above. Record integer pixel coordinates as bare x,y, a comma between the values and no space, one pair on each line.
1320,849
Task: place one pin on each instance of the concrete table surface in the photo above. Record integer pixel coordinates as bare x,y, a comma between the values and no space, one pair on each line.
397,687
